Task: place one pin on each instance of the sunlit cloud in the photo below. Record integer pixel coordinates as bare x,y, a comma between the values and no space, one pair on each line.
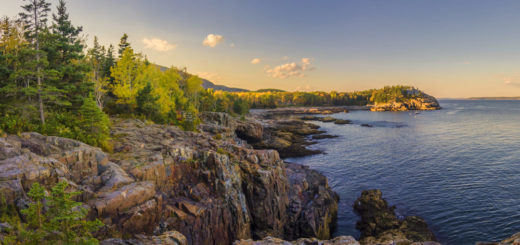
232,45
285,58
255,61
291,69
508,82
158,44
212,40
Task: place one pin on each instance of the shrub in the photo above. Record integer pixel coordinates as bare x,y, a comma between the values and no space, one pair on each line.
54,219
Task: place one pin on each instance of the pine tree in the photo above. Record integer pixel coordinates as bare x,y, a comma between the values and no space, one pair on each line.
65,55
95,124
147,104
123,44
35,19
63,221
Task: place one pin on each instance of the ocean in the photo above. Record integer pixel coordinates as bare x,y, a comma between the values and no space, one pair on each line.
458,168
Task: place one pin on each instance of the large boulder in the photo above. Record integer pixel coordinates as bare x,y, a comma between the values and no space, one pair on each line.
380,225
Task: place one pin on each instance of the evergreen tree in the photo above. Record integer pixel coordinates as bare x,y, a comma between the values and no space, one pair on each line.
123,44
65,55
35,19
147,104
62,221
95,124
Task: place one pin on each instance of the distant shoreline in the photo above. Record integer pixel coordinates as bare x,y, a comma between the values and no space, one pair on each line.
494,98
482,98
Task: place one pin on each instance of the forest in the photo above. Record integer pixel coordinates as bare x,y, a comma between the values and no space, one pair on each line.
53,83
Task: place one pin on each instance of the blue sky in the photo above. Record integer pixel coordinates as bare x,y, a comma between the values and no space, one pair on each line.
456,48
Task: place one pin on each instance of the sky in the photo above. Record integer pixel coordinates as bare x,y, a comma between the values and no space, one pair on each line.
447,48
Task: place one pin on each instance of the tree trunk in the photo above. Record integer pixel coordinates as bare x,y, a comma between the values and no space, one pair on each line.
38,70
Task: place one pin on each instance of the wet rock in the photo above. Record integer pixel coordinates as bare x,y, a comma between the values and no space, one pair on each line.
327,119
380,225
323,136
342,122
367,125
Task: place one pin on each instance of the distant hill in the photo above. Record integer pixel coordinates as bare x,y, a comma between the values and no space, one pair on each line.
270,90
494,98
207,84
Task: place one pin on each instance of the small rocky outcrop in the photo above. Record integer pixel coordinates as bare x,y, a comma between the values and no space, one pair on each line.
341,240
423,102
313,206
288,137
380,225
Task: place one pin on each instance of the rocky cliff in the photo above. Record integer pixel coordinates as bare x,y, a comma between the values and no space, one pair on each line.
212,187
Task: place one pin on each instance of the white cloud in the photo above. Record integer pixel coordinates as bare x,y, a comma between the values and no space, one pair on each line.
291,69
212,40
158,44
255,61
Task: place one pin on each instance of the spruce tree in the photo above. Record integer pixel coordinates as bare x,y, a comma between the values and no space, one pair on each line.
65,55
123,44
35,19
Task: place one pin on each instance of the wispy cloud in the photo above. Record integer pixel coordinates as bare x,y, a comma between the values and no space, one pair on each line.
508,82
293,69
232,45
256,61
212,40
158,44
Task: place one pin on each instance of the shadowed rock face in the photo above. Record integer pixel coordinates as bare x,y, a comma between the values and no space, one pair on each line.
212,186
380,225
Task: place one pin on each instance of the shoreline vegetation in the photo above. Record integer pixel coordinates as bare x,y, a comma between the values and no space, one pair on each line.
99,145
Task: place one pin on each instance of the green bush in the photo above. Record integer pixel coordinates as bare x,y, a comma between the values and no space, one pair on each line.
53,218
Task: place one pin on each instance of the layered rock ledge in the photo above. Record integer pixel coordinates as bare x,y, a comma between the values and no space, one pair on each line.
212,187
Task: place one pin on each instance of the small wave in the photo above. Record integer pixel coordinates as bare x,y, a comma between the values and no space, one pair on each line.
453,112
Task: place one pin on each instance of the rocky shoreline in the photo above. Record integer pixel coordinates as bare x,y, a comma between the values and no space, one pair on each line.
161,182
222,185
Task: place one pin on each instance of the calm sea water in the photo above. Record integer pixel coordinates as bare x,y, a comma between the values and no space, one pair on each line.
459,167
